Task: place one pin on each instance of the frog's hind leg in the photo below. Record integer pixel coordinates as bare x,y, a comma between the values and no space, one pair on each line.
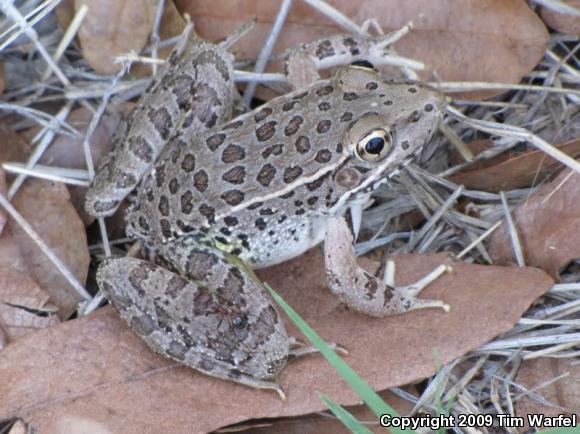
217,320
193,92
361,290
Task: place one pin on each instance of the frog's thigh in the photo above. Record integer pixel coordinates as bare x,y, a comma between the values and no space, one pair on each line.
214,329
356,287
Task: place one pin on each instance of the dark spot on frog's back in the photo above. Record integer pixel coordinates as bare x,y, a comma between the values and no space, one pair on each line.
349,96
276,149
428,108
173,186
292,173
236,175
201,180
208,212
412,90
293,126
346,117
323,126
266,175
371,85
323,156
233,197
302,144
262,114
266,131
188,163
214,141
161,121
163,206
160,175
186,202
233,153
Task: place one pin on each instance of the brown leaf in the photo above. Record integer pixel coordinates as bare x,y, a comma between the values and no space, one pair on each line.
316,423
562,22
548,227
101,371
564,392
525,170
475,40
46,206
112,28
20,296
3,191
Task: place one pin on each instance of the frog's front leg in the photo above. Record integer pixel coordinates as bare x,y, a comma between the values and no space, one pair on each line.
359,289
214,317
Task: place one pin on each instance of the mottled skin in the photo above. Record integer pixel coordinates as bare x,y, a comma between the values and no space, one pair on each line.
263,188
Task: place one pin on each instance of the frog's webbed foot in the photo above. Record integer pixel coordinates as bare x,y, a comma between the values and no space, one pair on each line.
212,316
362,291
299,349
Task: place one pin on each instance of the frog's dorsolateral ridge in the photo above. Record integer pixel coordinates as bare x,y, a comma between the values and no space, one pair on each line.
220,197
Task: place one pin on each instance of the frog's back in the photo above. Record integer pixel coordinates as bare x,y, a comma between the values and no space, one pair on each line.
277,160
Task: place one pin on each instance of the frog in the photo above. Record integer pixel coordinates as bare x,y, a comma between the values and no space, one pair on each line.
213,197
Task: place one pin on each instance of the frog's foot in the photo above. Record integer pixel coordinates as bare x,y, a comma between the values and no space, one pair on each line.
299,348
225,326
362,291
302,63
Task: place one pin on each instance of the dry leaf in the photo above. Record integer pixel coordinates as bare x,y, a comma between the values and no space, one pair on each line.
460,40
564,393
316,423
3,191
505,173
112,28
102,372
46,206
23,304
12,146
562,22
548,227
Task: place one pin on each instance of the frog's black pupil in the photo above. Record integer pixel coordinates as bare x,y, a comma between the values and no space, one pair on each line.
375,145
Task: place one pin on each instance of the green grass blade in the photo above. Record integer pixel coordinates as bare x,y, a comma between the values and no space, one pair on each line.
347,419
367,394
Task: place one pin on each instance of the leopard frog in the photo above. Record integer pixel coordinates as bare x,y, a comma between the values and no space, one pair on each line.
220,197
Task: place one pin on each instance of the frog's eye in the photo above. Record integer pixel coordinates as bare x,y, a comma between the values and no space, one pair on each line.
374,145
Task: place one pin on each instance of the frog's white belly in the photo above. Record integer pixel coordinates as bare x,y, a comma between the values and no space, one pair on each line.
287,241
